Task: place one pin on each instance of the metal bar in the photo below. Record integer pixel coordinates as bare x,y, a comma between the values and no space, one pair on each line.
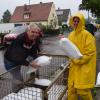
53,55
62,94
57,77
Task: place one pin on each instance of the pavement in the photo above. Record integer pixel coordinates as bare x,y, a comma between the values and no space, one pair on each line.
51,46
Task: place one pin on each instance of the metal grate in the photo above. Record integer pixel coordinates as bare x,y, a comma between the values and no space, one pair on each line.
29,90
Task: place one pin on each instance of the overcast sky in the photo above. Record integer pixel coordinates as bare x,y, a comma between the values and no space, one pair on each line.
63,4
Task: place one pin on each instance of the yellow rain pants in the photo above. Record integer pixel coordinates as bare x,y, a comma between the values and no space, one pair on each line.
83,94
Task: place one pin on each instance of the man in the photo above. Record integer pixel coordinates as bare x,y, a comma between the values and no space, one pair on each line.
91,28
25,45
82,72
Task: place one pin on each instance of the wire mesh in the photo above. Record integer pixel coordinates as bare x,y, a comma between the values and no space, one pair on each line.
29,90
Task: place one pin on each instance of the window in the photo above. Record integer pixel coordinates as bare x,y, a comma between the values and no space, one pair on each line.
26,15
59,12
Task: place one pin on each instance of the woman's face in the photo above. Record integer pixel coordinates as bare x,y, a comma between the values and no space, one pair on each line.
75,21
33,33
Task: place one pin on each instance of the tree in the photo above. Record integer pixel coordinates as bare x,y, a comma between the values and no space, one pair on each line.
91,5
6,16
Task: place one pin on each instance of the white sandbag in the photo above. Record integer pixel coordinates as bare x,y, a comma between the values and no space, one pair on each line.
98,79
69,48
43,60
43,82
30,93
14,96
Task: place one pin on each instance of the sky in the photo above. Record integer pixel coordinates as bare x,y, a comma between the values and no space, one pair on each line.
63,4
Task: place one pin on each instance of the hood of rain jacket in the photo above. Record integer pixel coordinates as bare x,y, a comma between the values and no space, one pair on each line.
82,71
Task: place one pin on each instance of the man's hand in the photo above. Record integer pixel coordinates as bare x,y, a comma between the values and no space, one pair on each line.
34,64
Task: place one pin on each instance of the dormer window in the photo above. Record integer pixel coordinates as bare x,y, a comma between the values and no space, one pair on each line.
27,15
59,12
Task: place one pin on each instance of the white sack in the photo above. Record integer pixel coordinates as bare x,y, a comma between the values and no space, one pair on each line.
43,60
43,82
98,79
69,48
14,96
30,93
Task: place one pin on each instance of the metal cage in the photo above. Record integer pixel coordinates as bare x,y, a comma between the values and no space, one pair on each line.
56,73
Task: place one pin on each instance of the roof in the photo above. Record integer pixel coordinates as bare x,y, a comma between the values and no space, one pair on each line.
38,12
63,14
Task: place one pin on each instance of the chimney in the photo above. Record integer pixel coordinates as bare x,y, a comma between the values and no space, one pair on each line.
25,7
58,8
40,2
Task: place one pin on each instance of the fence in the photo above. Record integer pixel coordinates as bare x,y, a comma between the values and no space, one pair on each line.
29,89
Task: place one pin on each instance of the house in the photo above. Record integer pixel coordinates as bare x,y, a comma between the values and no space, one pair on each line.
63,15
42,13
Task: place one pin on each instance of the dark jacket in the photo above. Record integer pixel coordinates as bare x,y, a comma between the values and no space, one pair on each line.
91,28
17,53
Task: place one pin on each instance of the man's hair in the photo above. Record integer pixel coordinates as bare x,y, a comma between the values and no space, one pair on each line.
36,26
33,25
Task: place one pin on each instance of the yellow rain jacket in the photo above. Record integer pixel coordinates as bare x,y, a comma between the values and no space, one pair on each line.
82,71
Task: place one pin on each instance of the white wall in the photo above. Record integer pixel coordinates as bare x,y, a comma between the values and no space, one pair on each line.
6,27
53,16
